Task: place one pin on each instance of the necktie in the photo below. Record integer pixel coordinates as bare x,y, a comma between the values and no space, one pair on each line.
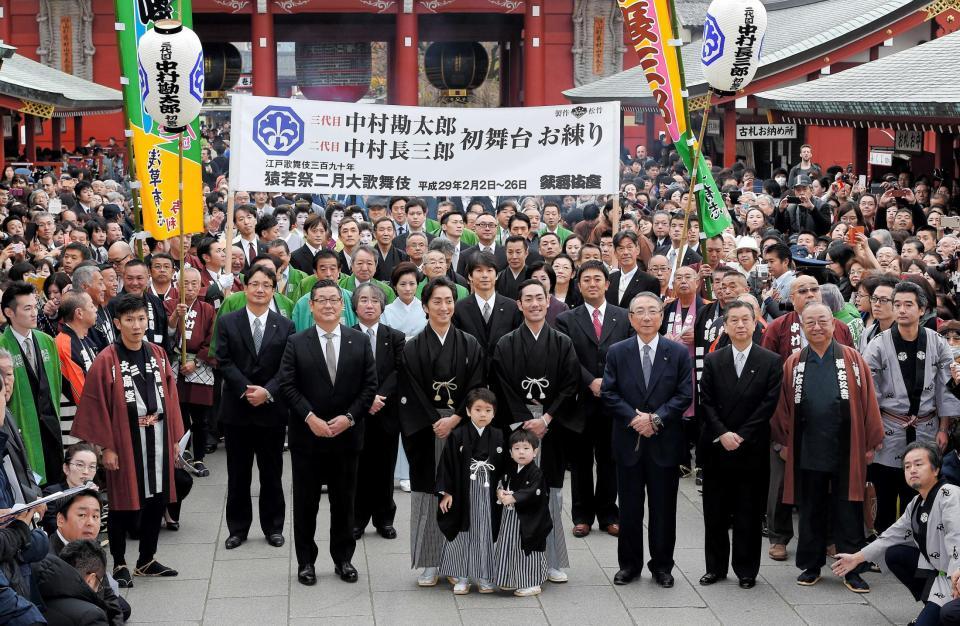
486,312
252,254
739,364
373,340
28,353
331,358
597,325
257,334
647,366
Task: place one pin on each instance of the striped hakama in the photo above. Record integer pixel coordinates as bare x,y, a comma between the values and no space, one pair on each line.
426,540
514,569
557,557
470,554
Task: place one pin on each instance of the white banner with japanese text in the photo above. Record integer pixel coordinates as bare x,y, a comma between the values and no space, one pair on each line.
307,146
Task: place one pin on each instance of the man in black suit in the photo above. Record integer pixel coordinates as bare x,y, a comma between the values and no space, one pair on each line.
593,326
738,395
374,499
646,403
416,218
486,315
314,232
486,228
245,221
629,280
250,344
388,255
328,376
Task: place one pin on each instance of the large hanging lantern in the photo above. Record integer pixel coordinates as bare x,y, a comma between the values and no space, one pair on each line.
171,74
338,72
732,38
456,67
221,66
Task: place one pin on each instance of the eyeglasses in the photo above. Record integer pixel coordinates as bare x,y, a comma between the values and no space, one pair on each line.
808,290
334,300
814,323
259,285
876,300
80,467
645,312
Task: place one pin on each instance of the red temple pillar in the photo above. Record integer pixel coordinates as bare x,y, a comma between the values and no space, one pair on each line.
264,53
406,60
729,134
534,55
29,122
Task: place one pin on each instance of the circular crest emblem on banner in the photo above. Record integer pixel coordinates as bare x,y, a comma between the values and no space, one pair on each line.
278,130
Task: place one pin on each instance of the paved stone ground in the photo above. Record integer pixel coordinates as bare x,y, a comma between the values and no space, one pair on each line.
256,583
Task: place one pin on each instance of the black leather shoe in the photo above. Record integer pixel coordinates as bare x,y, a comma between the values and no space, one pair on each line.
748,583
307,575
664,579
357,533
233,541
709,578
275,540
346,571
387,532
625,576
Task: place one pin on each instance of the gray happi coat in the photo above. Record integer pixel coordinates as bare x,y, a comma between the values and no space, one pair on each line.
943,540
892,396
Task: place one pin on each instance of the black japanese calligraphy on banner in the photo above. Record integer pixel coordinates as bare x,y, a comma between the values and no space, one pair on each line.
333,147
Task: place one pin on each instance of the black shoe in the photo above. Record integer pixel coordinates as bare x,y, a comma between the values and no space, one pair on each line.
387,532
709,578
306,575
172,525
856,584
233,541
275,540
202,471
210,448
346,571
664,579
748,583
121,574
154,569
809,577
357,533
625,576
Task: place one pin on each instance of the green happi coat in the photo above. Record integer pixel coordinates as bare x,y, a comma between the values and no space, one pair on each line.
23,403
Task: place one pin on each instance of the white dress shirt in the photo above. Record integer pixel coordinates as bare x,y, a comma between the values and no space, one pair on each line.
653,346
625,278
263,320
602,308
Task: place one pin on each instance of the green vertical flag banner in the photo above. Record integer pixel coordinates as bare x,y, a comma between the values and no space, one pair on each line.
155,152
714,217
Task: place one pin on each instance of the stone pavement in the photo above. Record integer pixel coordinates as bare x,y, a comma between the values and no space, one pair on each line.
257,584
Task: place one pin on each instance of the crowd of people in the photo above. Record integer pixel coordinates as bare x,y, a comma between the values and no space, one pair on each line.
476,349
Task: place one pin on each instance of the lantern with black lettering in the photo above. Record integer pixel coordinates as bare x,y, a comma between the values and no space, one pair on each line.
456,68
732,38
171,74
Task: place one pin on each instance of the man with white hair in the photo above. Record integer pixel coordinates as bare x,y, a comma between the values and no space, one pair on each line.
828,422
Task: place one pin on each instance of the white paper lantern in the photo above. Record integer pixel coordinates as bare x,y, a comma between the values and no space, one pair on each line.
171,74
732,38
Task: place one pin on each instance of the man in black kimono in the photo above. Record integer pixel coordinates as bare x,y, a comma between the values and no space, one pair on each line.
440,366
537,373
510,278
